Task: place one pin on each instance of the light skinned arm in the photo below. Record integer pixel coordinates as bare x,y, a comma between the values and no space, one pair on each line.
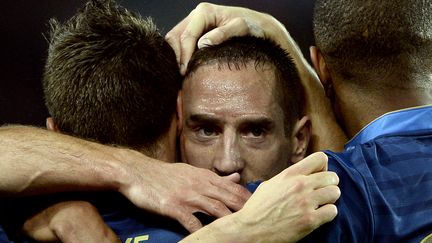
285,208
37,161
210,24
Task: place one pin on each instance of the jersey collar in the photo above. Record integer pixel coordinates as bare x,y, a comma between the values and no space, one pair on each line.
406,120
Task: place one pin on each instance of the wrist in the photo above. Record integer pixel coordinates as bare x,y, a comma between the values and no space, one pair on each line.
228,229
127,168
121,171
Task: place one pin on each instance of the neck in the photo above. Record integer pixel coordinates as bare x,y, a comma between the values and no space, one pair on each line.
360,107
165,147
167,144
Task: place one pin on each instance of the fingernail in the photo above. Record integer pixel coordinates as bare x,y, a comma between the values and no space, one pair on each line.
204,42
182,68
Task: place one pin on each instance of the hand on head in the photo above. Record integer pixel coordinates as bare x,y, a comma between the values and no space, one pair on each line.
220,23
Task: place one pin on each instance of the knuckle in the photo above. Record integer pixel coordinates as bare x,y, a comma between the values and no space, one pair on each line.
171,37
240,22
192,223
166,207
62,229
238,201
321,155
218,206
203,6
299,185
308,221
185,35
241,193
83,208
304,203
286,173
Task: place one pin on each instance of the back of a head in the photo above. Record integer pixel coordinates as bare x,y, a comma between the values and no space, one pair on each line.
387,41
111,77
237,52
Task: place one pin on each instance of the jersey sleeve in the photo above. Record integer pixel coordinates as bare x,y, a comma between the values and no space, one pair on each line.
354,222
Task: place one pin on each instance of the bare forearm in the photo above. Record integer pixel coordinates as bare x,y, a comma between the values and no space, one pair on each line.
36,161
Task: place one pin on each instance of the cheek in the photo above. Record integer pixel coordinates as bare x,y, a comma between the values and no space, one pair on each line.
195,155
267,163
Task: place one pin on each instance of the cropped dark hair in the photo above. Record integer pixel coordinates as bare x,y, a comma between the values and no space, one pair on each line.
238,52
375,40
111,77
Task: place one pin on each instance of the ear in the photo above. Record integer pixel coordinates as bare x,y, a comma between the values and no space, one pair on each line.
301,137
179,112
51,125
321,69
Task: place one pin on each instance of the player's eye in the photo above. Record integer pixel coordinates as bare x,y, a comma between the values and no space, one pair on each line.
206,131
254,132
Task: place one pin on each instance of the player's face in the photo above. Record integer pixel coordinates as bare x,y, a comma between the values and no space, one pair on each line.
232,122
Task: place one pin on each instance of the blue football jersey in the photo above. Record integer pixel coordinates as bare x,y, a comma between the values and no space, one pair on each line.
386,182
3,236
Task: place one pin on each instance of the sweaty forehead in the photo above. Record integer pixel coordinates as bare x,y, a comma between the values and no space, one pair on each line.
213,88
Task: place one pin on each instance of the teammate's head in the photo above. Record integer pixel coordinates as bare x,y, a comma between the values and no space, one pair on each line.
242,109
378,43
111,77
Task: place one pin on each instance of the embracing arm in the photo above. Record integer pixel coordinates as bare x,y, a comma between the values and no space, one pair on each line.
36,161
210,24
285,208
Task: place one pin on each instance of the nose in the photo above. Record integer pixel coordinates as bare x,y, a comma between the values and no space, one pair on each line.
228,157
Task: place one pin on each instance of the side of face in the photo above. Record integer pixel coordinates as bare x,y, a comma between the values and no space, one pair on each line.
232,122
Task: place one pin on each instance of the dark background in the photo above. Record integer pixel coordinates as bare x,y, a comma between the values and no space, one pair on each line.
23,47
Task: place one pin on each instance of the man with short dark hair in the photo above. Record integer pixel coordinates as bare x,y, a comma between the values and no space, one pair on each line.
243,110
373,59
112,78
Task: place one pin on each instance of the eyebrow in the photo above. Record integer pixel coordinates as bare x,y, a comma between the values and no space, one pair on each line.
263,122
201,119
246,122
